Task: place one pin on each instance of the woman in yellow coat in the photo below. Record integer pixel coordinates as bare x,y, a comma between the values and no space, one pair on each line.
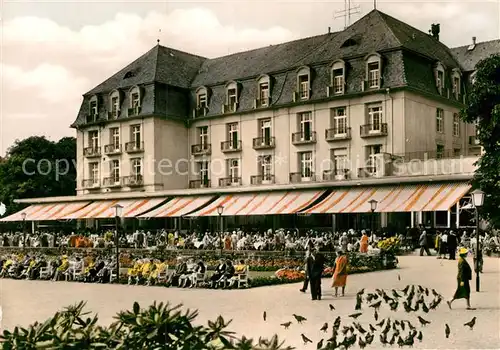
340,274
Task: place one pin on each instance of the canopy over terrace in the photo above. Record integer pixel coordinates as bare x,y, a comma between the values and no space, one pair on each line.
178,207
47,211
105,209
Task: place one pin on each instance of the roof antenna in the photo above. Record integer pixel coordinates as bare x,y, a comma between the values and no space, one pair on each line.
158,40
374,4
347,12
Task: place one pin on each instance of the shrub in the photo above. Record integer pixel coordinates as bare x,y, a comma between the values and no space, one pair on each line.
157,327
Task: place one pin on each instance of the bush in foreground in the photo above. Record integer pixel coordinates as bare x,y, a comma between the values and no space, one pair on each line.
160,326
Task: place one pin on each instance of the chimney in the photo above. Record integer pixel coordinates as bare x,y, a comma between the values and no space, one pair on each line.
473,40
435,29
329,30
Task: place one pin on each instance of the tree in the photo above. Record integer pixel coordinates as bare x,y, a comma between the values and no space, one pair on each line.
37,167
484,109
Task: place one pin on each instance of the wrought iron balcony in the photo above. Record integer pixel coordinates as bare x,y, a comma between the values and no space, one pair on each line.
229,108
336,134
201,149
367,172
201,183
336,175
133,180
230,146
112,149
91,183
200,111
301,138
305,176
112,182
263,142
92,118
113,115
133,147
133,111
92,152
262,179
371,130
229,181
261,103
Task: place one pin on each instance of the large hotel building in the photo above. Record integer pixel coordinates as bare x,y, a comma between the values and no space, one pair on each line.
300,134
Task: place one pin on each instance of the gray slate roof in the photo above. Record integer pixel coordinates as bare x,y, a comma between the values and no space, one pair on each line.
469,59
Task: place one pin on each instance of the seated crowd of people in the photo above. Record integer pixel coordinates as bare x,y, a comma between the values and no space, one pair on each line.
188,272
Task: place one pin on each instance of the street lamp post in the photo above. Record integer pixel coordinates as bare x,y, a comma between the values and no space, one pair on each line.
118,213
477,200
220,210
23,216
373,207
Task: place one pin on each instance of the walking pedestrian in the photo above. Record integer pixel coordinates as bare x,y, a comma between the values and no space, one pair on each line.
316,270
307,266
463,277
424,244
452,245
339,279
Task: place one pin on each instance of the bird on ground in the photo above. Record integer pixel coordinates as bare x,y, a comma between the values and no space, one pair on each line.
401,342
320,344
361,343
447,330
409,340
420,336
347,329
360,328
425,308
336,323
393,339
264,315
331,307
305,339
387,298
370,297
423,321
359,301
324,328
394,305
381,323
376,305
403,325
372,329
406,289
412,327
375,315
426,291
399,277
361,292
436,294
407,307
299,318
383,338
369,338
355,315
421,289
396,295
286,324
471,323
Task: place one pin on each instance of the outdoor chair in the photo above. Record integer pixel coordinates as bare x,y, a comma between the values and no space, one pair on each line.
46,271
79,275
243,278
162,275
199,278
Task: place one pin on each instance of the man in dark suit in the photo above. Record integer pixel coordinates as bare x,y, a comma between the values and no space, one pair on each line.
315,272
452,245
308,262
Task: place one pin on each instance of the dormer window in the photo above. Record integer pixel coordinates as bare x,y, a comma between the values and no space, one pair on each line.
303,89
135,101
263,98
373,71
440,77
231,98
201,100
337,79
456,83
201,108
93,110
114,105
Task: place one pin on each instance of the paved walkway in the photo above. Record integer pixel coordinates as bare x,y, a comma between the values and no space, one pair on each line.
26,301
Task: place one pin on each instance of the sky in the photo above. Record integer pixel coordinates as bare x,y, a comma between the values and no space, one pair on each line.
52,52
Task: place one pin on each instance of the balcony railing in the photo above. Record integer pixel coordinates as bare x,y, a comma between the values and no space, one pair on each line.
300,138
200,111
367,172
263,142
133,180
133,111
132,147
263,179
474,141
205,183
336,134
112,149
260,103
307,176
230,146
229,108
201,149
112,182
92,118
113,115
229,181
369,130
90,183
336,175
92,152
434,154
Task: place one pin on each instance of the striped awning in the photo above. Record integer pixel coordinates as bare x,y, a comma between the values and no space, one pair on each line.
105,209
400,198
178,206
265,203
46,212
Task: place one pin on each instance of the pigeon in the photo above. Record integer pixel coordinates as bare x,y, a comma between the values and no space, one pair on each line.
403,325
324,328
401,342
356,315
305,339
360,328
406,289
407,307
381,323
394,305
331,307
422,321
299,318
372,329
383,338
361,343
359,301
361,292
369,338
399,277
410,340
393,339
471,323
420,336
436,294
396,295
426,292
336,324
286,324
320,344
425,308
376,305
447,330
375,315
264,315
371,297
